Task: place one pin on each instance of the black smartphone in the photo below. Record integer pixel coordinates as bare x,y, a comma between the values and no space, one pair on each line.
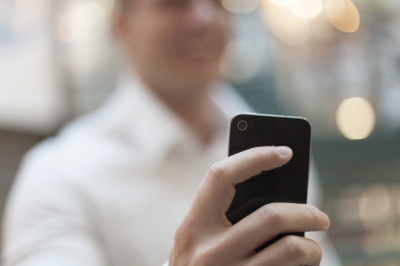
288,183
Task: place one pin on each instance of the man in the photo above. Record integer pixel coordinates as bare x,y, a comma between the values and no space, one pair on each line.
114,186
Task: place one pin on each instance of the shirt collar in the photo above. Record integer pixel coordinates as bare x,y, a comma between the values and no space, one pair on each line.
153,126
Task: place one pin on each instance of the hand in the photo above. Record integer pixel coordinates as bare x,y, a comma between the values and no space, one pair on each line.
206,237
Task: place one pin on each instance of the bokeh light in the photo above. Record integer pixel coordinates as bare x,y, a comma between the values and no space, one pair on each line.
378,243
306,8
301,8
343,14
240,6
348,204
286,27
355,118
82,22
375,206
285,2
395,193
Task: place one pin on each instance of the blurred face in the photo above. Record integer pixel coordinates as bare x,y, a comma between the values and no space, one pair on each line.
175,45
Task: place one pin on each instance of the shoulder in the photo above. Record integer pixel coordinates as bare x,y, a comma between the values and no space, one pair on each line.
64,173
85,147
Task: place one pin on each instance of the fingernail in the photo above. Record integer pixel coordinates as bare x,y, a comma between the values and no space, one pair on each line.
328,222
283,150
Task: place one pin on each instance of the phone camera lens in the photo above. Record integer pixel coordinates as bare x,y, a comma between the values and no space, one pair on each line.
242,125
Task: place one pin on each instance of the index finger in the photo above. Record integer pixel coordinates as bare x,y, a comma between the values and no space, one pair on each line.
217,190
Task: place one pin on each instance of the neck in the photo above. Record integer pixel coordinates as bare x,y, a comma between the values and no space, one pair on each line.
196,116
194,111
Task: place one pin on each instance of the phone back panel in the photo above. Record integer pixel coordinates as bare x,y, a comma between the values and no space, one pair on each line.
288,183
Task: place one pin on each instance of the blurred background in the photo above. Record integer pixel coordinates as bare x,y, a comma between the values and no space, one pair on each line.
335,62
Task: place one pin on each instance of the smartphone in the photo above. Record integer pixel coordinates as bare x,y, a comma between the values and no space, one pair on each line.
288,183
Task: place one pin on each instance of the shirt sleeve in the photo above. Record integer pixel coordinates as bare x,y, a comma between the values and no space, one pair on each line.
47,223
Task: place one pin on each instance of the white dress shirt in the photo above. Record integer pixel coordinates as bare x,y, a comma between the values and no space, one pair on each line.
114,185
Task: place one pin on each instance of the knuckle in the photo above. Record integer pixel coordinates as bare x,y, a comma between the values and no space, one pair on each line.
257,152
293,247
313,215
261,153
191,249
207,255
185,234
216,171
271,214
